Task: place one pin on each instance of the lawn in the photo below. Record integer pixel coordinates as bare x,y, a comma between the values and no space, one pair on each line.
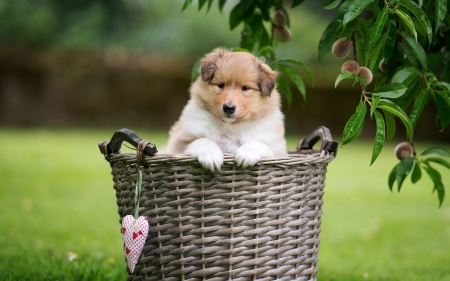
57,201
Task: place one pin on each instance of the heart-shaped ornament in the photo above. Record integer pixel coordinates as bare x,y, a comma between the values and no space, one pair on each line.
134,234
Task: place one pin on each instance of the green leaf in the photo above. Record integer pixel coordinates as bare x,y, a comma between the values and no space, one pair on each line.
443,111
377,29
343,76
333,31
267,50
416,110
391,38
440,12
361,39
445,95
201,3
390,126
247,40
417,50
295,3
355,124
435,176
379,137
329,36
209,5
239,49
391,107
392,90
195,71
403,170
283,86
416,173
375,101
377,53
405,74
438,160
444,85
440,191
221,4
298,82
258,31
407,20
301,65
408,97
186,4
237,14
420,15
355,8
436,151
392,177
331,4
265,9
433,173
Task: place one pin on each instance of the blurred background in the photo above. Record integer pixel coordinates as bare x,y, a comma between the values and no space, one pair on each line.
127,63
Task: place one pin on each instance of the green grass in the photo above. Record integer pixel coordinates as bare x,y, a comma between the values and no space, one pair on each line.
56,197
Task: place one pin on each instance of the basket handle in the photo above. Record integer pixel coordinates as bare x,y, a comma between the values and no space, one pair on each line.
113,146
321,133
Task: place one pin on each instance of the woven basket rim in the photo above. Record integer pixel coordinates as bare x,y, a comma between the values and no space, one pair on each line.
293,158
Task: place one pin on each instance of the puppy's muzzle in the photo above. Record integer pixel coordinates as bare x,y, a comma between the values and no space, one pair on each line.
229,109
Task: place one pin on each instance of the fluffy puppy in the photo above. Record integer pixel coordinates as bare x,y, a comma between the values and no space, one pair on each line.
234,108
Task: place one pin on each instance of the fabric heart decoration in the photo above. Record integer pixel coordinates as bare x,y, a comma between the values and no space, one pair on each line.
134,233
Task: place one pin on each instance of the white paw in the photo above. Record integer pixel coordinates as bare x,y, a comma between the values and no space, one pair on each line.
251,152
246,158
207,152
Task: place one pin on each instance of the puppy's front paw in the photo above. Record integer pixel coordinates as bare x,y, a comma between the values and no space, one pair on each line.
250,153
246,158
207,152
210,158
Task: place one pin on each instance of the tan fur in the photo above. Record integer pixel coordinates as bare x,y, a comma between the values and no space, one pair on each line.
236,70
257,116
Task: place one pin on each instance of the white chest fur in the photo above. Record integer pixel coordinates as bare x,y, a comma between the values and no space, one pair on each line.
230,136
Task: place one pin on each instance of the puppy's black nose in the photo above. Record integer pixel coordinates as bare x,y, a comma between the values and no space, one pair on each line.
229,109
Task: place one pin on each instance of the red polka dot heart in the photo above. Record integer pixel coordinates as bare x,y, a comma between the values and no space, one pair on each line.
134,233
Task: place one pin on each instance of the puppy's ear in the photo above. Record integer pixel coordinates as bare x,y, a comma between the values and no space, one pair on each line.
207,68
208,63
267,79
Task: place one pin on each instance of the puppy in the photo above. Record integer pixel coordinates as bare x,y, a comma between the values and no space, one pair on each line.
234,108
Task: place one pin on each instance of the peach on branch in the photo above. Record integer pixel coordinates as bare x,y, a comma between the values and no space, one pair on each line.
341,48
279,19
282,34
350,66
404,150
365,73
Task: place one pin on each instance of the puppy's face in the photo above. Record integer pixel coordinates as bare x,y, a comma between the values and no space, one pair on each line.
235,86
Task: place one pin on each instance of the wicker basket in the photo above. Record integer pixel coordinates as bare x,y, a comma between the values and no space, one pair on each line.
258,223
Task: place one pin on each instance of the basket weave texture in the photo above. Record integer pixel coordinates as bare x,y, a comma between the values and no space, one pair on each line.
257,223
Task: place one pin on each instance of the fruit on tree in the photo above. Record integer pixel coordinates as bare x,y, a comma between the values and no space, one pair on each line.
404,150
341,48
279,19
350,66
365,73
382,66
282,34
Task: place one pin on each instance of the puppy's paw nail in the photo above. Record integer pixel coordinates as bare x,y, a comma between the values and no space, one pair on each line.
211,160
208,154
246,158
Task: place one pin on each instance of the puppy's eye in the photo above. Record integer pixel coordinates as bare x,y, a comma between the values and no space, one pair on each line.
245,88
221,85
